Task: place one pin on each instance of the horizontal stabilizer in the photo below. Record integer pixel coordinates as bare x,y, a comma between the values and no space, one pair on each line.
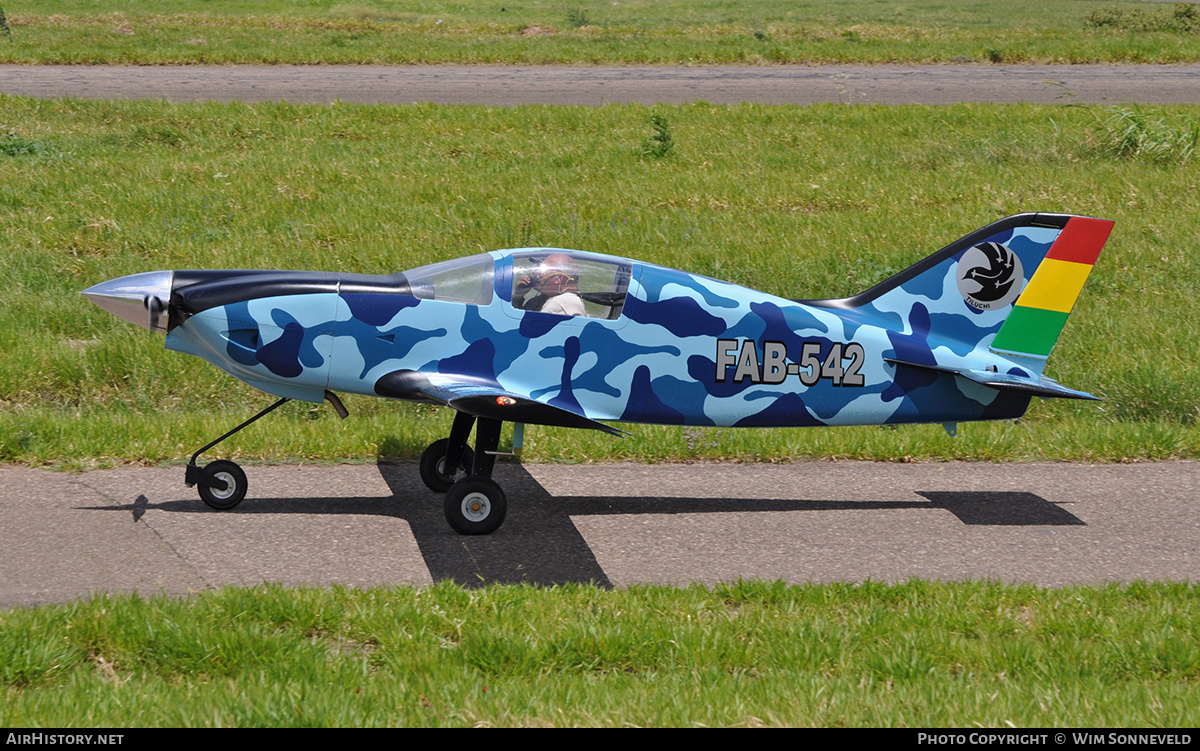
1047,388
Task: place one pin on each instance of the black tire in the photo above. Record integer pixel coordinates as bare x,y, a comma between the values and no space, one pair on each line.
475,506
433,466
235,485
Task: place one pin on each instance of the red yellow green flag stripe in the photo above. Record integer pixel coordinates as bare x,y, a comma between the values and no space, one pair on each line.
1039,314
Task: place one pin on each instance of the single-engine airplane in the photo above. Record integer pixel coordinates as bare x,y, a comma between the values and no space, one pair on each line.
546,336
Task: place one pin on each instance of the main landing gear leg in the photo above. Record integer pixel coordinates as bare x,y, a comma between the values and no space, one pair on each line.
449,452
475,504
223,483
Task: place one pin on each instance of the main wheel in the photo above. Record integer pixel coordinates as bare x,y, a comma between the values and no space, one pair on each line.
475,506
235,485
433,466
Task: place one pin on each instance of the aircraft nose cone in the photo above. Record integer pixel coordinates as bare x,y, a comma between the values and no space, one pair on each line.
138,298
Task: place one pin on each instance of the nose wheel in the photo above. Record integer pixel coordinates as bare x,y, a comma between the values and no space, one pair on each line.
231,477
222,484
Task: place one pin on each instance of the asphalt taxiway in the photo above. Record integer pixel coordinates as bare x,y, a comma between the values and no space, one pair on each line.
65,536
588,85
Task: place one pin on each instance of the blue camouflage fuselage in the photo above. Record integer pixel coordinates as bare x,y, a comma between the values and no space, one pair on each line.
684,349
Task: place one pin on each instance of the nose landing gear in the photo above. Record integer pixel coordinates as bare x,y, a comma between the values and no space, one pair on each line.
222,484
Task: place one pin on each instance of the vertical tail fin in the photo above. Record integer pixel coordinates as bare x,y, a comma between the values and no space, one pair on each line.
968,309
1039,314
974,291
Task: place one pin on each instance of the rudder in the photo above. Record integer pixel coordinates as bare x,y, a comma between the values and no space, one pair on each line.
1040,312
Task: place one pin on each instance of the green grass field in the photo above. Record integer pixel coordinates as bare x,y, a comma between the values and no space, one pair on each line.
687,32
743,654
799,201
803,202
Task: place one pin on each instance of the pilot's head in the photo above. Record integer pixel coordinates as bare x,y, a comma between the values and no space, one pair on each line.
556,274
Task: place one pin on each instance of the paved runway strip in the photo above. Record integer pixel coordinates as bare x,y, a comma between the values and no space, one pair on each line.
64,536
553,84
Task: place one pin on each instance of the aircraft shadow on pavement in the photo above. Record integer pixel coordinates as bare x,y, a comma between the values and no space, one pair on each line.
539,544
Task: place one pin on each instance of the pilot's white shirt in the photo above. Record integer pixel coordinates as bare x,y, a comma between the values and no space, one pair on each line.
566,304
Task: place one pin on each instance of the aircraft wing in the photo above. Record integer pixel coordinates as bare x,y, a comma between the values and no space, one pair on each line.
481,399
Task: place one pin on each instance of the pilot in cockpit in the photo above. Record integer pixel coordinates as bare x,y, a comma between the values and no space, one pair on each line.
555,287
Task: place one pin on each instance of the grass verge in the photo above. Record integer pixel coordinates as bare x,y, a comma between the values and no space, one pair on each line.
675,32
748,653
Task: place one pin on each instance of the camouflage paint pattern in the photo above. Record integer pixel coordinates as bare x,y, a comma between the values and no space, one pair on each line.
685,349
